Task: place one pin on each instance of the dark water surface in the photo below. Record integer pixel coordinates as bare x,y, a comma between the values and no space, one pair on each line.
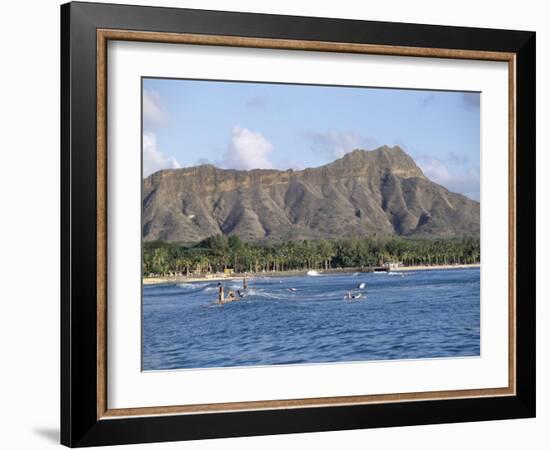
422,314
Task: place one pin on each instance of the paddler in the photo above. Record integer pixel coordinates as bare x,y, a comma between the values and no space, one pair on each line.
220,294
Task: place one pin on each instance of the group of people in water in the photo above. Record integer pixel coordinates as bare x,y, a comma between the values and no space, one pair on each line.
237,295
231,295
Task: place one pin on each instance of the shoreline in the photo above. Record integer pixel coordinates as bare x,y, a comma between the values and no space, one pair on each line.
442,267
151,281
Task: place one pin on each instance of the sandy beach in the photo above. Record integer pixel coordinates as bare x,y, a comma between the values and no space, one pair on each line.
177,279
221,277
240,276
448,266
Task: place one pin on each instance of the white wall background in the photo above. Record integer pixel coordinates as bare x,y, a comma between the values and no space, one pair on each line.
29,224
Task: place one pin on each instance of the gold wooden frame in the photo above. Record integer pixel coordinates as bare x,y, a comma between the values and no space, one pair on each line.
104,35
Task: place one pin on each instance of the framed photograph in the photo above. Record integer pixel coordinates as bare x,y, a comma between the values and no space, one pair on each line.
277,224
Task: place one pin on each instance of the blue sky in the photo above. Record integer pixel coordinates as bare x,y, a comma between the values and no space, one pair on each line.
264,125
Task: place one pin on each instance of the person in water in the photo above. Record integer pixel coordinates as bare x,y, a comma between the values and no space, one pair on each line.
220,294
245,284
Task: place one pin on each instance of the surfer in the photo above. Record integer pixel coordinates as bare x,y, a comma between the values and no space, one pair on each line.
245,284
220,294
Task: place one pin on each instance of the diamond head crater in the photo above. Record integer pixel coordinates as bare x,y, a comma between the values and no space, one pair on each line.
365,210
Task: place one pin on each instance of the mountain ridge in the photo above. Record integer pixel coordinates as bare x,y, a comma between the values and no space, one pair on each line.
381,191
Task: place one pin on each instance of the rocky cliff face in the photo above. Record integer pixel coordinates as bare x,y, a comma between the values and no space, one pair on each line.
381,191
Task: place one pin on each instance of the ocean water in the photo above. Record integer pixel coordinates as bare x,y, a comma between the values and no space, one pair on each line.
421,314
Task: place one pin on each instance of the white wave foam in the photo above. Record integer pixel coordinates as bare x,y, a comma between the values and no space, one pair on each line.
190,286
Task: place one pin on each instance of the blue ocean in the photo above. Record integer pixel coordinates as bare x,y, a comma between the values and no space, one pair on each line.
308,319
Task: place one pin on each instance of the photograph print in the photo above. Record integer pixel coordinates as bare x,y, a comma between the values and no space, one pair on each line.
302,224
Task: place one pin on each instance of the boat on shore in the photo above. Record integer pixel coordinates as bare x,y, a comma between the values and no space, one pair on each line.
313,273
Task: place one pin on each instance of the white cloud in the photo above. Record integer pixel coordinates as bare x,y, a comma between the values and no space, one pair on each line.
457,159
154,110
153,159
465,182
247,150
434,169
335,144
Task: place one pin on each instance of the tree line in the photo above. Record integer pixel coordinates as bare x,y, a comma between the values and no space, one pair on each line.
220,252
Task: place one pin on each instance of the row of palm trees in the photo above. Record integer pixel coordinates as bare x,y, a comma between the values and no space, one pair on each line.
219,253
